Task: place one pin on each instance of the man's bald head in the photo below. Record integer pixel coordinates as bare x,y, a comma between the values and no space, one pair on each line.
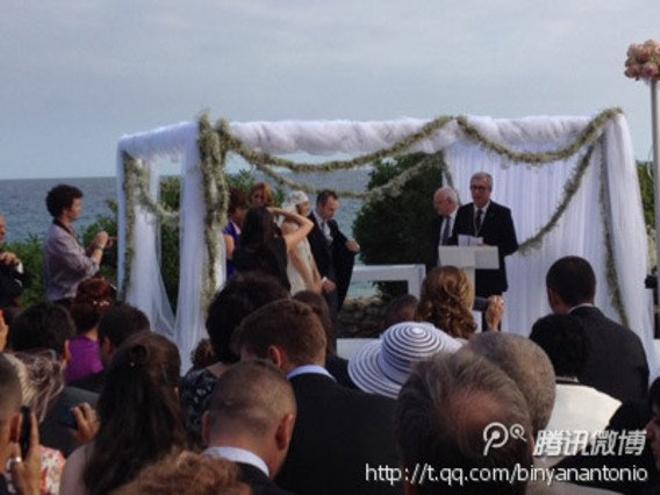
250,398
526,364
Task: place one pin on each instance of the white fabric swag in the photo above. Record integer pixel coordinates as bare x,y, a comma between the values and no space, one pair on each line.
532,193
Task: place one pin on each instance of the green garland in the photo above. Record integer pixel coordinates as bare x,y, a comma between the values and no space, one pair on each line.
258,158
587,137
216,143
129,186
610,263
570,188
212,164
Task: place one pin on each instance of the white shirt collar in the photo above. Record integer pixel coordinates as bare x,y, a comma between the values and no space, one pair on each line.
583,305
308,368
484,209
236,454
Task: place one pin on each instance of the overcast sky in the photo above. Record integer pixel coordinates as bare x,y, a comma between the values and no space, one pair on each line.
75,75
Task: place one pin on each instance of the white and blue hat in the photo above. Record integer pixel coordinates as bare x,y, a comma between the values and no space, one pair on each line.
383,366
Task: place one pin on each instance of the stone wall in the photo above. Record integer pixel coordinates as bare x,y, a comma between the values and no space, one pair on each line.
361,317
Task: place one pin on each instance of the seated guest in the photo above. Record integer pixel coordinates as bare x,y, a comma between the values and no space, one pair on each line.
24,469
577,407
383,366
49,327
336,365
202,356
118,324
616,364
527,365
41,381
401,309
140,418
186,472
236,212
66,261
250,422
338,430
263,247
94,298
443,410
447,299
238,298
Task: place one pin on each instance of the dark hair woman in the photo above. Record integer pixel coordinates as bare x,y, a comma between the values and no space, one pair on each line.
139,414
263,247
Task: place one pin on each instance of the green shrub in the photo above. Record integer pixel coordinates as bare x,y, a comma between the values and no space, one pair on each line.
30,253
396,230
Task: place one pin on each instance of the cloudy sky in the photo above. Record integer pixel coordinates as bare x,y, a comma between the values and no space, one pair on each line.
77,74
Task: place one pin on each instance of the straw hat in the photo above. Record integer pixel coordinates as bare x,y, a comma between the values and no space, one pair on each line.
383,366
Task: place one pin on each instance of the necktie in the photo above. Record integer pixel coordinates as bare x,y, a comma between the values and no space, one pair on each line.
445,231
477,222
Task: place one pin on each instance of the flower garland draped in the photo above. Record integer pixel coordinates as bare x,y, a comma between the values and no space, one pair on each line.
216,143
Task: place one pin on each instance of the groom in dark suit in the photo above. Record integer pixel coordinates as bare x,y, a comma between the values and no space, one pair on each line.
333,252
493,223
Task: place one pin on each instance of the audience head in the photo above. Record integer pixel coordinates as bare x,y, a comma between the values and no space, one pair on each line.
445,201
481,187
43,326
238,206
10,404
261,195
382,366
286,332
139,401
42,380
94,298
442,412
252,407
527,365
202,356
446,301
63,199
319,305
118,324
570,281
187,472
563,339
401,309
242,295
327,204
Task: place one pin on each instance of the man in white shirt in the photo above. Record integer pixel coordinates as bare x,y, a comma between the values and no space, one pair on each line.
250,422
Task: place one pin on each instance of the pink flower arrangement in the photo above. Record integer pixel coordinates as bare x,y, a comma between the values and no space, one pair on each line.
643,61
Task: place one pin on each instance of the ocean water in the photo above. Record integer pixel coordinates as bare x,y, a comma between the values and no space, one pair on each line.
22,202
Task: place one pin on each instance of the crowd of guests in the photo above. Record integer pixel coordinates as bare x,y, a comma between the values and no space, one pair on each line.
94,401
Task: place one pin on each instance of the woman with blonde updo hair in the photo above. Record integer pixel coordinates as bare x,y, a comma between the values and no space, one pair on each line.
446,301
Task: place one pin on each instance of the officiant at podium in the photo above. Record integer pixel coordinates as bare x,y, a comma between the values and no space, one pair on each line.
492,223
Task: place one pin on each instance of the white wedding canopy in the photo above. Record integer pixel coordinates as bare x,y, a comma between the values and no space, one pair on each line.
532,193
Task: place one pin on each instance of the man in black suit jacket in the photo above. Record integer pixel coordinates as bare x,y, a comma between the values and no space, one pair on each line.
333,252
493,223
341,436
250,421
445,204
616,363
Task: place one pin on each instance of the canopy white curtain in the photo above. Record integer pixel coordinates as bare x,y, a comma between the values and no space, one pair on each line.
532,193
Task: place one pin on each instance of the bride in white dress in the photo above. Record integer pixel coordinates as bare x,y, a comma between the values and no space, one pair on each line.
301,267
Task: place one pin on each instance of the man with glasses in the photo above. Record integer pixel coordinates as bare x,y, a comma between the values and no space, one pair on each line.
493,225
